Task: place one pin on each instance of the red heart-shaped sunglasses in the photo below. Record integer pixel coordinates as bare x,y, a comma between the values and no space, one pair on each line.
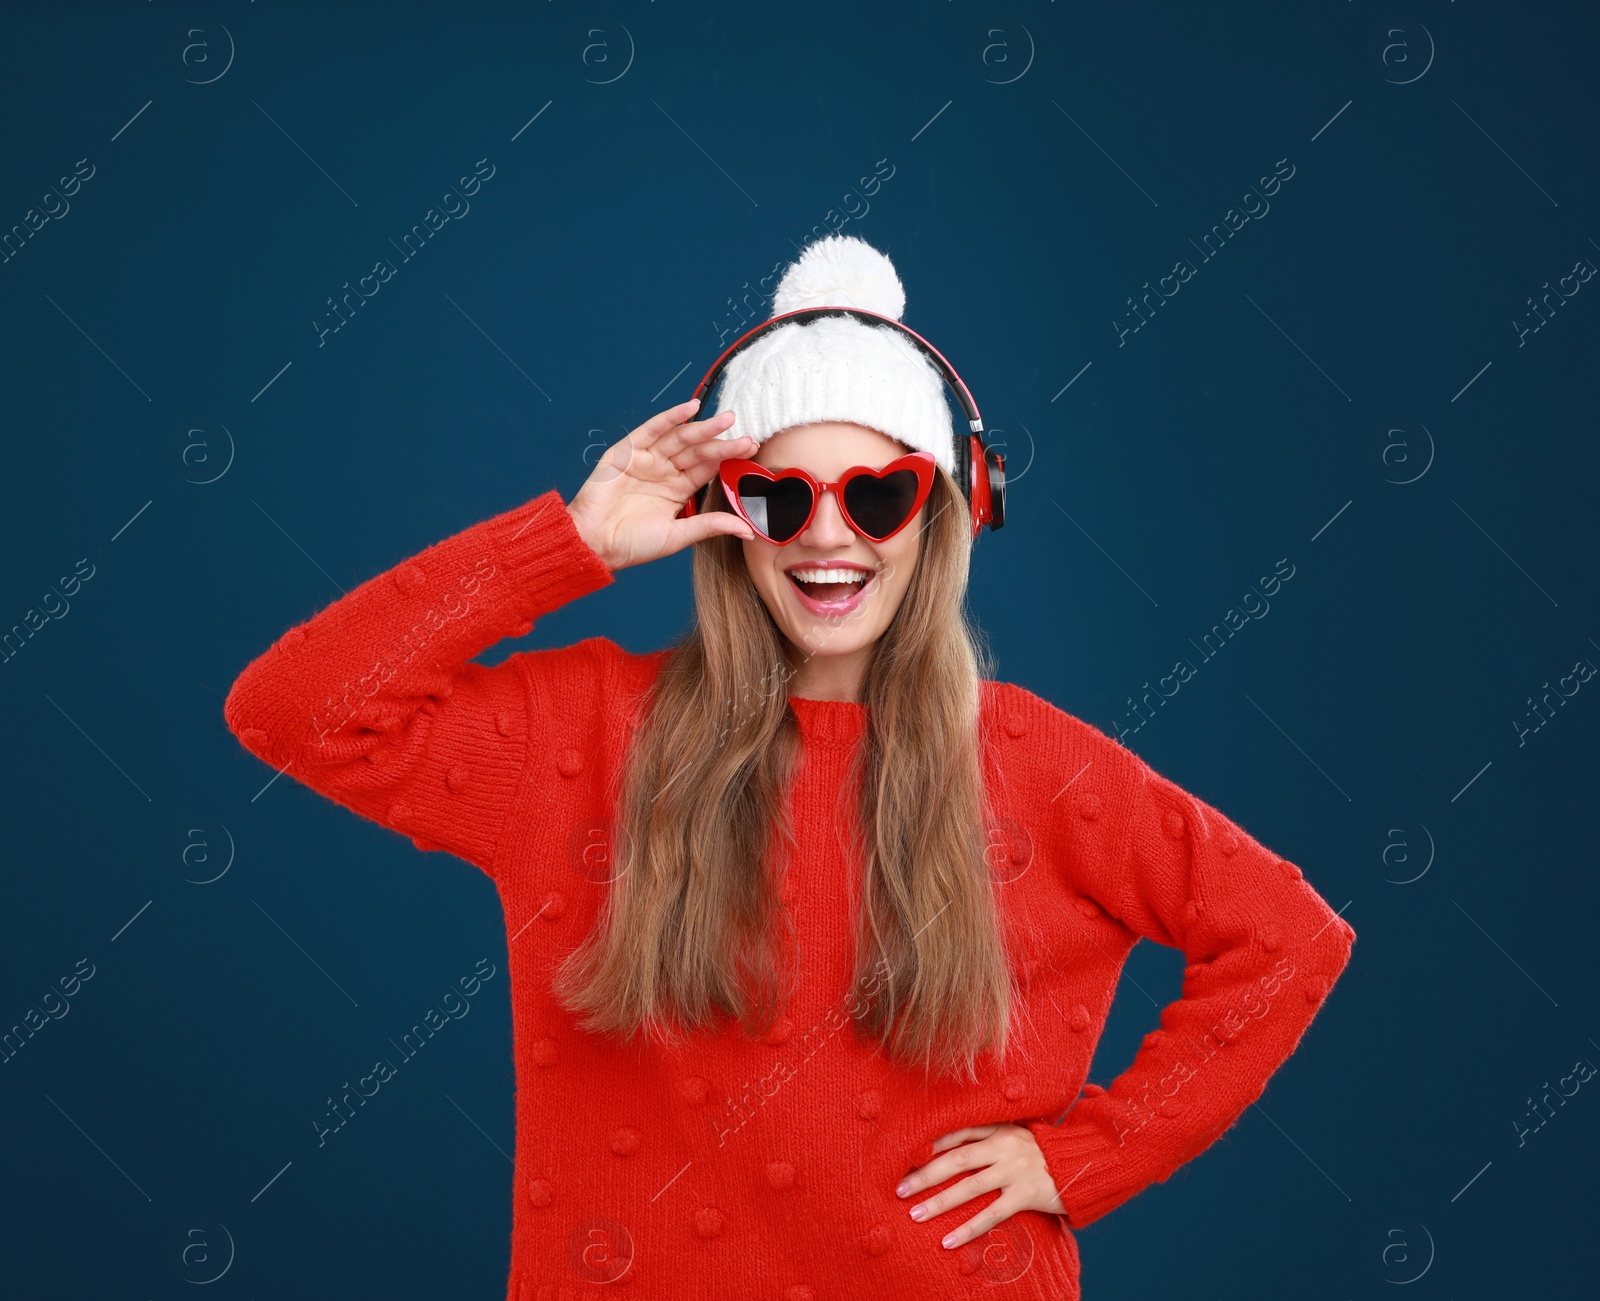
780,504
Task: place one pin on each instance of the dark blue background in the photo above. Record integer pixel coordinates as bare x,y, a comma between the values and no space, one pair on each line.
584,291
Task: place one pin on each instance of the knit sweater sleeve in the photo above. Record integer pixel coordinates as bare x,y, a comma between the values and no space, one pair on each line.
374,702
1263,950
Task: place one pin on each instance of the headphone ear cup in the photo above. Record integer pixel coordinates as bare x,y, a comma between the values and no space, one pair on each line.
976,487
995,466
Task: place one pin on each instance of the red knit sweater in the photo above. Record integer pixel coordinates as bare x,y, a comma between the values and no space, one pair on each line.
730,1168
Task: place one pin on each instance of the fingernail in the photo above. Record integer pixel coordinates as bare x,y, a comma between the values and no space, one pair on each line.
918,1212
902,1190
950,1240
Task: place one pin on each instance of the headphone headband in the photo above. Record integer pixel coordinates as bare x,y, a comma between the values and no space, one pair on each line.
985,493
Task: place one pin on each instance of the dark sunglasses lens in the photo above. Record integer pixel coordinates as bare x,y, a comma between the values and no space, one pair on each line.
880,506
777,507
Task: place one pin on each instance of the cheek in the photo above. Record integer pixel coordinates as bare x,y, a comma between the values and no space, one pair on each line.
766,579
897,594
758,563
894,589
901,556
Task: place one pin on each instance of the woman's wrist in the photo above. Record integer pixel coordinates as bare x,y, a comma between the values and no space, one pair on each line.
590,540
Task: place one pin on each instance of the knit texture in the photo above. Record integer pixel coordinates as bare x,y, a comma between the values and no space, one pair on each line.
726,1167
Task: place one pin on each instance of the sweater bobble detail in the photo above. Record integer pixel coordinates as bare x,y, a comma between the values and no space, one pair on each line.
876,1240
1078,1019
708,1222
1010,849
409,578
625,1140
543,1052
1089,808
457,779
1172,824
292,640
1015,726
541,1192
1271,938
869,1104
569,763
780,1175
504,723
799,1292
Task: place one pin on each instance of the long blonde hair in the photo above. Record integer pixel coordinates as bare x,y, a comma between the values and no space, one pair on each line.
687,928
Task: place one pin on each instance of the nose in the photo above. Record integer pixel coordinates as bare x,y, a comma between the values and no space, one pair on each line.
827,530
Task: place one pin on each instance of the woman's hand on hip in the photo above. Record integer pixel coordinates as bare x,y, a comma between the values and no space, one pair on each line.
1002,1156
627,509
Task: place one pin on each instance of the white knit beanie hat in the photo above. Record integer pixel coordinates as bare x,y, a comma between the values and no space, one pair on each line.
839,368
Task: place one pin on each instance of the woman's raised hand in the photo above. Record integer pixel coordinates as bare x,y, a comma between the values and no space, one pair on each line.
627,509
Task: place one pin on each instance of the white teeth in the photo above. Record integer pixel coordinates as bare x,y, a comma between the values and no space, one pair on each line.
829,575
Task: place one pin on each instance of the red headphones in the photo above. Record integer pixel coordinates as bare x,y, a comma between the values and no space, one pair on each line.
980,470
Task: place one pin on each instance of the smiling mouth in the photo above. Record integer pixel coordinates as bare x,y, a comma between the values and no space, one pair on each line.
841,584
829,591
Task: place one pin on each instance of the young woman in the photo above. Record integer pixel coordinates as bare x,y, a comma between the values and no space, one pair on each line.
812,926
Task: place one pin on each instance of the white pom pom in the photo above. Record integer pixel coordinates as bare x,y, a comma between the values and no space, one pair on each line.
841,271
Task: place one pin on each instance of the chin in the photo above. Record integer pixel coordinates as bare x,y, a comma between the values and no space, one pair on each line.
822,640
